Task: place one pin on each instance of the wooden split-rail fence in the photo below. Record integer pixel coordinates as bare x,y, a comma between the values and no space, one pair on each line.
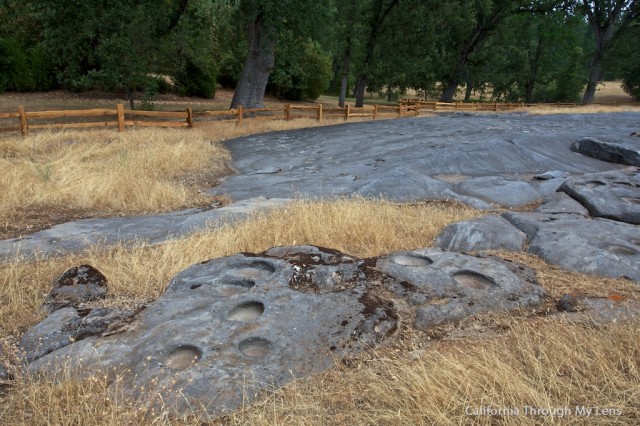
26,121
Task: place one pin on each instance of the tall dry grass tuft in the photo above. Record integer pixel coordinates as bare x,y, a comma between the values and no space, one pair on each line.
580,109
537,372
542,365
134,172
359,226
66,400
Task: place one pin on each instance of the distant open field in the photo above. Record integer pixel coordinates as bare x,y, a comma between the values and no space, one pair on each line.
609,92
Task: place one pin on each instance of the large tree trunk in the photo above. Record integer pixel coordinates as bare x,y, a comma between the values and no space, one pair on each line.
468,91
594,77
256,70
452,83
345,78
608,20
449,90
130,98
375,25
361,85
533,72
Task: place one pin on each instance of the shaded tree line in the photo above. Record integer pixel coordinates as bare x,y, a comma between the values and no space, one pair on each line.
518,50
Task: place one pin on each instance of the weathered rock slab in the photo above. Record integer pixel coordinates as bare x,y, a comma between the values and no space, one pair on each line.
72,324
154,229
77,285
612,195
486,233
530,222
626,151
561,203
580,308
228,328
500,191
446,286
592,246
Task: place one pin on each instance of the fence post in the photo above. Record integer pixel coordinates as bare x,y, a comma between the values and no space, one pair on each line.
319,112
375,111
347,111
24,126
495,107
399,109
287,112
455,106
417,109
190,117
240,111
120,113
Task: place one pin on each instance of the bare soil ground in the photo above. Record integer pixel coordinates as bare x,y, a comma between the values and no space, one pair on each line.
63,100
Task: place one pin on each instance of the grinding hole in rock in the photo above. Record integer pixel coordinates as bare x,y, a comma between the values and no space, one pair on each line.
622,250
248,311
183,357
407,260
255,270
255,347
474,280
595,184
238,282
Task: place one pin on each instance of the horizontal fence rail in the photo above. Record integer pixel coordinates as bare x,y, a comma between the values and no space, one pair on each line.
117,118
121,119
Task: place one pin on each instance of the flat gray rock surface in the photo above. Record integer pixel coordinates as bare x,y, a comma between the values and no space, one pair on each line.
613,195
227,328
428,157
486,233
152,229
591,246
480,160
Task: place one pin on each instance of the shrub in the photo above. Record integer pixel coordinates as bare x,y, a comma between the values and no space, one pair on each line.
196,80
303,72
23,70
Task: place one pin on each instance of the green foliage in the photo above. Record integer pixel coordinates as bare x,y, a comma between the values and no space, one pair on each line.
531,50
533,58
196,81
22,69
631,83
316,70
625,61
303,72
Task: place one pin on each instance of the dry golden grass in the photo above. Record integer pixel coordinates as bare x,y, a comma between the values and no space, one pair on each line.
542,364
104,172
611,92
54,176
358,226
580,109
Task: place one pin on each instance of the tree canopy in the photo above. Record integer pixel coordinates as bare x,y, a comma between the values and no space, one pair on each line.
524,50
